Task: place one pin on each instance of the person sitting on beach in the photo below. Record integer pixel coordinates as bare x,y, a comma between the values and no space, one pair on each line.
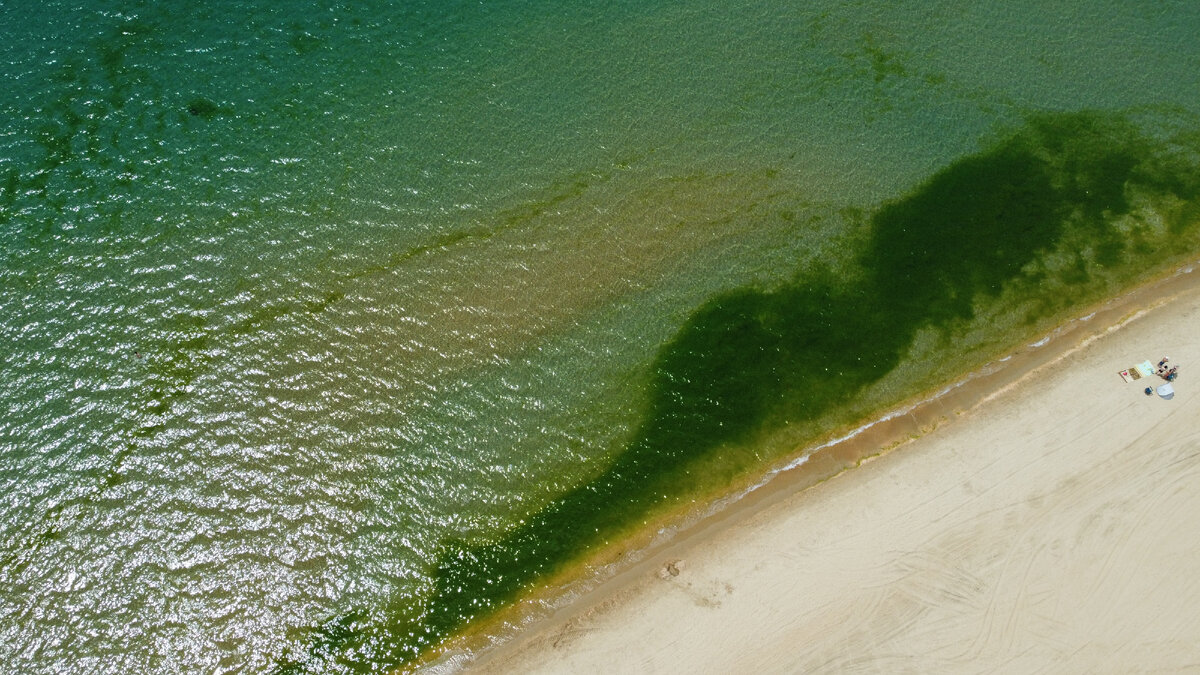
1172,374
1162,366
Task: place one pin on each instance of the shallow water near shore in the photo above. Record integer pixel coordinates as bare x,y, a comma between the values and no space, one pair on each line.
329,331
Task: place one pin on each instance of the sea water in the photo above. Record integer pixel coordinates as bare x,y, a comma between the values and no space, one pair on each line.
320,320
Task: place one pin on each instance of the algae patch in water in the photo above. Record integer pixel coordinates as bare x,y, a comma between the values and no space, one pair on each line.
1052,202
203,108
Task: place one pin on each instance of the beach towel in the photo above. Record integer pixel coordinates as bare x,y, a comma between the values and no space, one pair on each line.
1143,369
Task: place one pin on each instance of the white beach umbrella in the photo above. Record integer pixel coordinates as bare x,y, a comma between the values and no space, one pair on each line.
1166,390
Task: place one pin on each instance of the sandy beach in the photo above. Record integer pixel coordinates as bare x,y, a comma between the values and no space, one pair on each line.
1049,527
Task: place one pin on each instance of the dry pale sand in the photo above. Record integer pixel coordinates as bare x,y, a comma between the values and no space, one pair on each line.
1053,528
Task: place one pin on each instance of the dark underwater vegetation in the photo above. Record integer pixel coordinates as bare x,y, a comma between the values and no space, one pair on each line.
1047,218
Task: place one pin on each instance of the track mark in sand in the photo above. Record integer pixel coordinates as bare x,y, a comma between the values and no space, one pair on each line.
570,632
1007,567
707,595
935,579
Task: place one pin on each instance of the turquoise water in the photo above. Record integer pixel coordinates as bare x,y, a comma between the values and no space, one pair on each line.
302,304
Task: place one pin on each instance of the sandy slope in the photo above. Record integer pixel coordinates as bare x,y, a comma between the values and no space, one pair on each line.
1056,528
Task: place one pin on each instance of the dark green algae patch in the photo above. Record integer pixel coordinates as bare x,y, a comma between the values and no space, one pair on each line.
1074,206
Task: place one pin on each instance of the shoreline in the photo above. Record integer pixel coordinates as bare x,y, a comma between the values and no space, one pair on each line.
607,587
